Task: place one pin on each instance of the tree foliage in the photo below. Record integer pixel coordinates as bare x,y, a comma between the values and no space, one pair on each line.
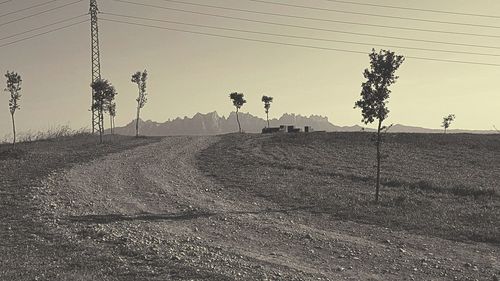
104,95
375,94
238,101
14,82
375,91
447,121
267,105
13,87
140,79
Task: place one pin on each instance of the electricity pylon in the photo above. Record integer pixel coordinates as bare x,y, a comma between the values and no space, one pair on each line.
96,61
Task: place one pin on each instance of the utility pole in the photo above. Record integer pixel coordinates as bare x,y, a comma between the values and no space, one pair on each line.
96,62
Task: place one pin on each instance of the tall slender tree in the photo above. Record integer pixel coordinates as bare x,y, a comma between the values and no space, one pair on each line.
238,101
14,82
111,108
267,105
104,94
447,121
375,94
140,78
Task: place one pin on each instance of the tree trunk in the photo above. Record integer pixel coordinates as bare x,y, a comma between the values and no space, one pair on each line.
92,111
137,120
111,124
13,130
238,120
101,127
379,140
102,121
138,111
267,116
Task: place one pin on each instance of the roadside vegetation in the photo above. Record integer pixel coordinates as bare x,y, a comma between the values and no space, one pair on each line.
375,94
267,105
139,78
104,96
55,133
13,87
238,100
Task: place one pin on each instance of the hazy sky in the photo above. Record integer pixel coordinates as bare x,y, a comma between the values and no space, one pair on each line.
192,73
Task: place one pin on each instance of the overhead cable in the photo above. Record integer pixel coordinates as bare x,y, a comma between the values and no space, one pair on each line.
291,44
364,14
43,33
301,37
41,27
39,13
415,9
310,18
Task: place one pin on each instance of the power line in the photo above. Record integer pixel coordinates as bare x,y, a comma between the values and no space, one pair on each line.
43,33
301,37
291,44
28,8
414,9
311,18
97,120
365,14
39,13
5,2
41,27
309,27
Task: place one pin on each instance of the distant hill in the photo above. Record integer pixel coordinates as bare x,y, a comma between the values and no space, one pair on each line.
398,128
213,124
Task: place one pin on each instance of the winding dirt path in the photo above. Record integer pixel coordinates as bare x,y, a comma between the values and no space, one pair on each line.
162,219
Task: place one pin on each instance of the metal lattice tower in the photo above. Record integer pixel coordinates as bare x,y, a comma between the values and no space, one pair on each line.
96,60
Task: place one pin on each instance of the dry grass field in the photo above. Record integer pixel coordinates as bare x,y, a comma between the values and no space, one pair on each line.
444,186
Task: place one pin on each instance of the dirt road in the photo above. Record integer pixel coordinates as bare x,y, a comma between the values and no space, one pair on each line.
160,218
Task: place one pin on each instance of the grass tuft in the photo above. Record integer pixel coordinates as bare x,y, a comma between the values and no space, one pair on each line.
459,190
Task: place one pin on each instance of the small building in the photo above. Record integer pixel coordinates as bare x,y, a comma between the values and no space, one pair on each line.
308,129
271,130
292,129
285,129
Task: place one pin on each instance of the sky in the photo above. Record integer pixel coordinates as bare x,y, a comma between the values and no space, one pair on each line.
190,73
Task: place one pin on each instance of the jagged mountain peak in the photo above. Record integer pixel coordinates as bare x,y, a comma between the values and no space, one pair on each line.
212,124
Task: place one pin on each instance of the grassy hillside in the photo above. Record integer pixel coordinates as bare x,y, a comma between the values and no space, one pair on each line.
445,186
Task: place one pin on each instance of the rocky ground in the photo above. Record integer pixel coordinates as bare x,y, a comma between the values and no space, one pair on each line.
154,213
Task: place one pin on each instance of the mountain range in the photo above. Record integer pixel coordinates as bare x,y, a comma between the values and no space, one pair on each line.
213,124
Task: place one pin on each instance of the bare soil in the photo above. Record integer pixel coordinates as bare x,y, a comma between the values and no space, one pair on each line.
251,207
30,249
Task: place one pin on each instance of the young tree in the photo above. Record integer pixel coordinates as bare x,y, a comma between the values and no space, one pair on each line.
140,78
104,94
238,102
447,121
14,82
267,105
375,93
111,108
